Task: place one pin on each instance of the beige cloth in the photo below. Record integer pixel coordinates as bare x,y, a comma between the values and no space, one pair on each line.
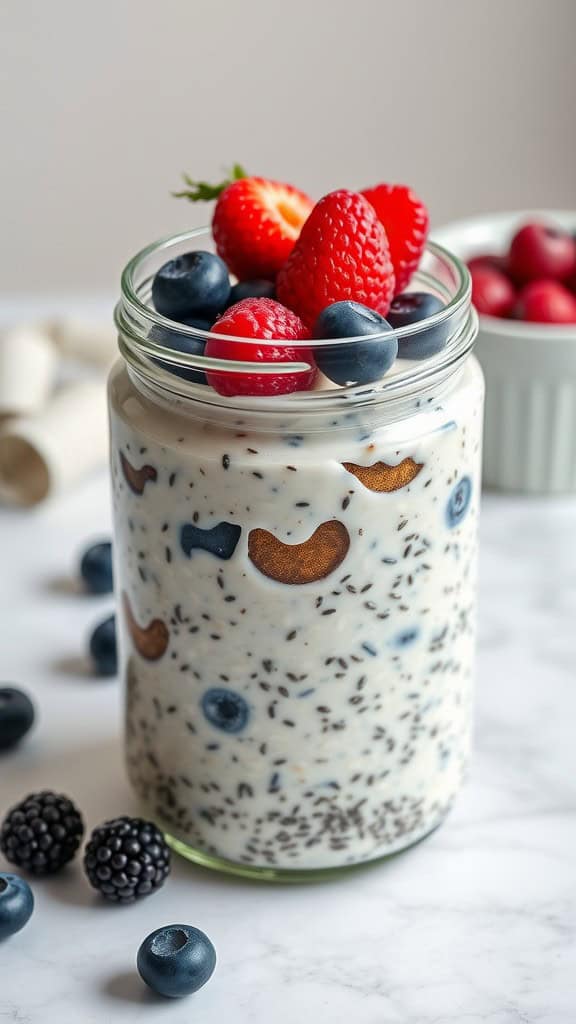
43,454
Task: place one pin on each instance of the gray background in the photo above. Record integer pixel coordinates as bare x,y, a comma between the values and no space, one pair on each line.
105,103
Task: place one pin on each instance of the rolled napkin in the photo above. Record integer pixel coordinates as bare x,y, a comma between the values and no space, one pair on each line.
91,341
43,454
28,364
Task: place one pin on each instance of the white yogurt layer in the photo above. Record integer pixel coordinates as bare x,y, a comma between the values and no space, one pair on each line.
297,725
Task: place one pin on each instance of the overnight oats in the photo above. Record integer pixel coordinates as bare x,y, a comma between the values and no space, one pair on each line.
295,542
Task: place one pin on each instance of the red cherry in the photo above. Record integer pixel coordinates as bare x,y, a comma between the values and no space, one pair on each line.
492,292
571,283
541,251
546,302
488,259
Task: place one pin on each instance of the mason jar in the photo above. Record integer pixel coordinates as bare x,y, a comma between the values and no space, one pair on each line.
296,577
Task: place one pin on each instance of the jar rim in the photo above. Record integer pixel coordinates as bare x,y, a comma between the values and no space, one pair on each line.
135,318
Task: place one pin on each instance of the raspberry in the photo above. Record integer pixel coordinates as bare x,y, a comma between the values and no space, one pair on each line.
259,319
342,253
406,221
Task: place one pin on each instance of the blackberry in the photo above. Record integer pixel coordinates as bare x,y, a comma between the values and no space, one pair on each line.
126,859
42,833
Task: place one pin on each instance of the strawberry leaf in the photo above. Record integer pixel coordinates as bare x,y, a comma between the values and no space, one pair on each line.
203,191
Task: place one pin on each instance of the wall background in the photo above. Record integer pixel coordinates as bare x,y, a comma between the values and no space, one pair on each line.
105,103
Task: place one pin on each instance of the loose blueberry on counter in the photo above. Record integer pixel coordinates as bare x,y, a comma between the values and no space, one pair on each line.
126,859
182,343
42,833
258,289
225,709
103,647
195,284
96,568
361,362
176,960
16,904
16,716
411,308
458,502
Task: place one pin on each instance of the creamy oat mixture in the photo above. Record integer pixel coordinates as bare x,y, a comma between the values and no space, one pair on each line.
298,626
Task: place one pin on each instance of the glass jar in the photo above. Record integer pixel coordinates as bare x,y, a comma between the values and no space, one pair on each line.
297,580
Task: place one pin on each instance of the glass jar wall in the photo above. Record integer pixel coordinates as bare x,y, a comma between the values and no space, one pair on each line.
297,579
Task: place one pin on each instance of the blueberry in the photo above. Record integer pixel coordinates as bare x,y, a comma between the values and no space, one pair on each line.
258,289
221,540
182,343
361,362
225,709
16,904
195,284
103,647
96,568
411,308
16,716
176,961
459,502
407,637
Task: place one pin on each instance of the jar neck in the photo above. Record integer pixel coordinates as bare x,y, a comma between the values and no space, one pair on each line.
328,408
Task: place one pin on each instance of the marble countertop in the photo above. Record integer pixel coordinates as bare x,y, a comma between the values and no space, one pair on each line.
474,925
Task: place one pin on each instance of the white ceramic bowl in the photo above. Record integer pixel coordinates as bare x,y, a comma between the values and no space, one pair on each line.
530,370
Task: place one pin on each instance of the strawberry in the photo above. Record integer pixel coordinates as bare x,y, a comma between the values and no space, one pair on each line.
342,253
255,222
259,319
406,221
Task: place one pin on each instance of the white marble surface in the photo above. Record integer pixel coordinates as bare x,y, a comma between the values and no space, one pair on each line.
475,925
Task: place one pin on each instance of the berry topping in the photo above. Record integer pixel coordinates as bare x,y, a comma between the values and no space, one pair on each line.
411,308
342,253
16,904
492,292
541,251
103,647
16,716
459,502
182,343
42,833
361,362
176,960
546,302
96,568
258,289
225,709
126,859
195,285
255,222
406,221
259,319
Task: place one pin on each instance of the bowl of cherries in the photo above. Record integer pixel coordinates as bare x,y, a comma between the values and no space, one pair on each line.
523,270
